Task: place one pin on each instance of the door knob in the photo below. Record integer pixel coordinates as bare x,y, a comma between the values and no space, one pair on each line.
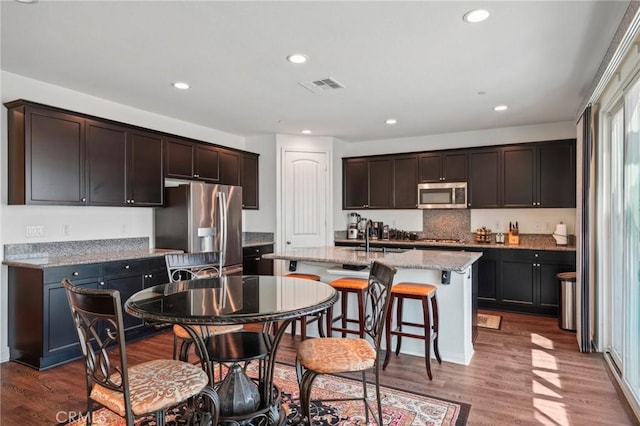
288,242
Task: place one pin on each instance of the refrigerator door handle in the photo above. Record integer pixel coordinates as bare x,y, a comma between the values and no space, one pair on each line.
222,209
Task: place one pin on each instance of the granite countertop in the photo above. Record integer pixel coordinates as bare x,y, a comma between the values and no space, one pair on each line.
46,261
527,242
457,261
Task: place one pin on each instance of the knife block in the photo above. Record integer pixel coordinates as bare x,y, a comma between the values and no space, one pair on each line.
514,238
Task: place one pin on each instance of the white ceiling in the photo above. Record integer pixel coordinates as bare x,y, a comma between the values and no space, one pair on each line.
414,61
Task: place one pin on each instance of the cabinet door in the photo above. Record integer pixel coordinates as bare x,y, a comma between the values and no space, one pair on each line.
488,279
179,158
54,156
454,166
249,182
208,163
518,178
229,167
127,286
405,183
105,161
380,184
144,173
355,183
61,332
518,279
430,167
557,174
484,178
253,263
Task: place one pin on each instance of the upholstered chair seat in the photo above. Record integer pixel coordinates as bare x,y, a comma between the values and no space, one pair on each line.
336,355
213,330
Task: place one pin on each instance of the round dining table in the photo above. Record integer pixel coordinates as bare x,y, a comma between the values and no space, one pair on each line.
274,301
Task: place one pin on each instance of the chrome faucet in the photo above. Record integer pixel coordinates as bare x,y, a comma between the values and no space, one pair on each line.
367,230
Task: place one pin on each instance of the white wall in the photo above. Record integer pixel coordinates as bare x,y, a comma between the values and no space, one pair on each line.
86,223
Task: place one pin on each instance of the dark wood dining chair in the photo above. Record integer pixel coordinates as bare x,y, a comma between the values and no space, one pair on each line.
147,388
335,355
190,266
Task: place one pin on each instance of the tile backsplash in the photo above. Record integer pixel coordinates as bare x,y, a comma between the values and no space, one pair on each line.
446,223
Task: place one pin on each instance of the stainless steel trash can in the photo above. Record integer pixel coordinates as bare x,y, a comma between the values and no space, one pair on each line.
567,306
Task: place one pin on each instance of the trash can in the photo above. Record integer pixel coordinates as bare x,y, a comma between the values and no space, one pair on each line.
567,306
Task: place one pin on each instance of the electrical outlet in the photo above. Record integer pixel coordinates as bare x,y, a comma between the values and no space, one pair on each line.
538,226
124,229
66,230
34,231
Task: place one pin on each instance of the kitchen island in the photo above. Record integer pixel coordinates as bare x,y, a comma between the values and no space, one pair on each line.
451,271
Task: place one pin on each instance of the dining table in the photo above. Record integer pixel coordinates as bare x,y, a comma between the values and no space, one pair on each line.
273,301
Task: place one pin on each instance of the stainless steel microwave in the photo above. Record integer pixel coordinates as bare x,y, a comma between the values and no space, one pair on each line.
450,195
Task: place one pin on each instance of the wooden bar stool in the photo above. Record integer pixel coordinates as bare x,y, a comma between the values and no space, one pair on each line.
346,286
424,293
304,321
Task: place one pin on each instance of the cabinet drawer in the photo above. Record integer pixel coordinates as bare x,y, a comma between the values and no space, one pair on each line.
72,273
124,267
257,250
156,264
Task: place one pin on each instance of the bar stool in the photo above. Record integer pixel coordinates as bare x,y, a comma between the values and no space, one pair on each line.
424,293
346,286
304,321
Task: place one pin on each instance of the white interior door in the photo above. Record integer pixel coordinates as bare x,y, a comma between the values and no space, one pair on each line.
304,199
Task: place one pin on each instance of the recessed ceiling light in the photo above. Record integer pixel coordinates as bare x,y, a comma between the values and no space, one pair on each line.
476,15
297,58
500,108
306,132
391,121
482,92
181,85
27,1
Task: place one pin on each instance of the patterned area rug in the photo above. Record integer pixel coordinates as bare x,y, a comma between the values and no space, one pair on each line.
399,408
492,322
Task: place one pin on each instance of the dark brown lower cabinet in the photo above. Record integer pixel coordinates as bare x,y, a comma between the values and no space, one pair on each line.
253,263
41,330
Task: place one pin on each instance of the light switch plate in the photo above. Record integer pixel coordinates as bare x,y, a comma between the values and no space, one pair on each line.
34,231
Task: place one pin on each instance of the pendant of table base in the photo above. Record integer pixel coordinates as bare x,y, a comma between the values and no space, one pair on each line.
425,293
346,286
304,321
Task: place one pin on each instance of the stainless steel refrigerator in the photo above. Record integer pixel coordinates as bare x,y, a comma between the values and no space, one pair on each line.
201,217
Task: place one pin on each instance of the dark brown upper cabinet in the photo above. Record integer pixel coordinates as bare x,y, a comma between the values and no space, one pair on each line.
45,156
405,182
519,176
124,166
557,179
355,183
145,180
250,181
539,175
191,160
443,166
230,164
484,181
380,183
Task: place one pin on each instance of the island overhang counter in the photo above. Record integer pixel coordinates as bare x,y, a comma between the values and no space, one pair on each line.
453,272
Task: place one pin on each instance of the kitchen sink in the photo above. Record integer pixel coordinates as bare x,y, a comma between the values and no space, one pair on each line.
379,249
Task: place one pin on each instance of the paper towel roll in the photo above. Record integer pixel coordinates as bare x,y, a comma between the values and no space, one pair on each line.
560,234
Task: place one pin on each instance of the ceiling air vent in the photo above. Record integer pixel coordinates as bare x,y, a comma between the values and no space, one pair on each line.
324,85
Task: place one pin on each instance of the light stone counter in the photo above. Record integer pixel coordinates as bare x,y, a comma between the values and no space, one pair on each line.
456,261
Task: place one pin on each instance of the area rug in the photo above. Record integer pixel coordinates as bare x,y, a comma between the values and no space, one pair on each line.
492,322
400,408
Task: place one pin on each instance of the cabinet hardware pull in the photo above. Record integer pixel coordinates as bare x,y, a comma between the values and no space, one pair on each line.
126,266
132,201
150,275
257,258
83,200
197,176
75,274
101,283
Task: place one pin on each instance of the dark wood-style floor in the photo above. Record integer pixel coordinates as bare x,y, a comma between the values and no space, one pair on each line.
529,372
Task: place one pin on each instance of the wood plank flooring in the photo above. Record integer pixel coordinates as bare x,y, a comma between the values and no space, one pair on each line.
528,373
